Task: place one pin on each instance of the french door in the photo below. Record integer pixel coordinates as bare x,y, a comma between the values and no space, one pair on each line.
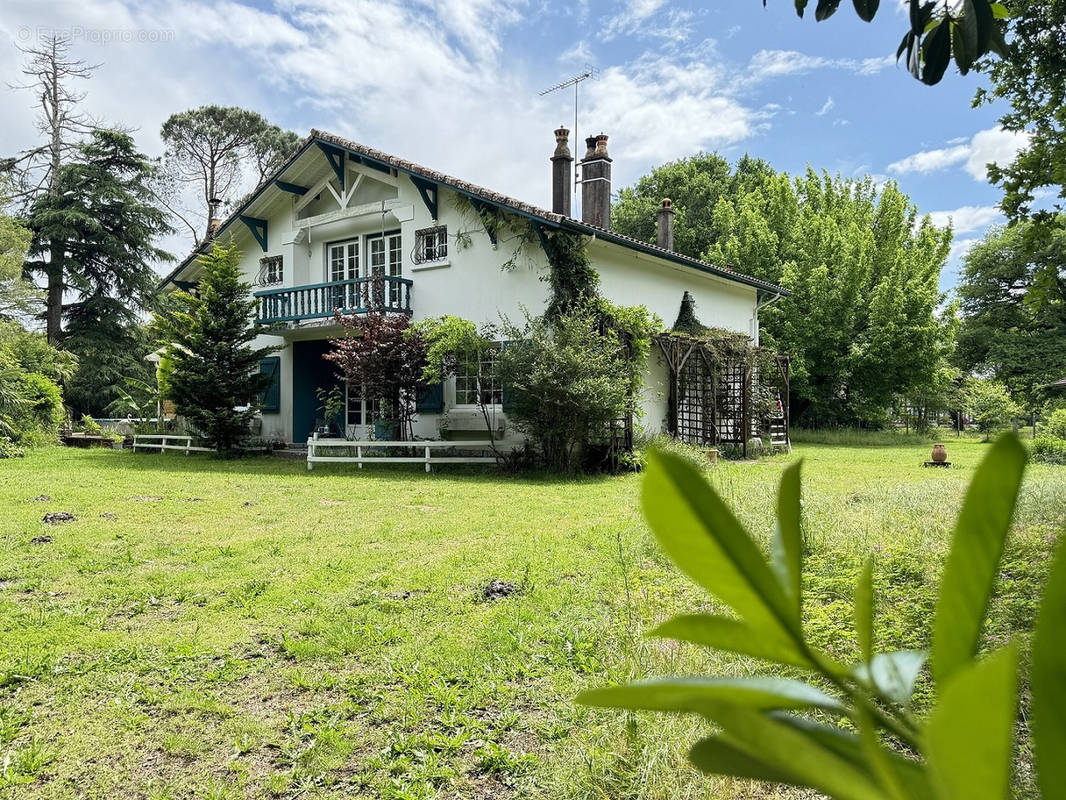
344,266
386,258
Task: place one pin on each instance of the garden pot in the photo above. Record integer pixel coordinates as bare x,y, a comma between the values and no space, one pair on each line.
385,430
940,454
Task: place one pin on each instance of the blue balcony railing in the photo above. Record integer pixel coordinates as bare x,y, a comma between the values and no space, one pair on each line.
384,293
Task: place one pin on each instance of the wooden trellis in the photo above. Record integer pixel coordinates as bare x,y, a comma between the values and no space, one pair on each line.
719,394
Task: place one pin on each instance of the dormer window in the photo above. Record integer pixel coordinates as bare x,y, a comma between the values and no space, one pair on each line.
431,244
271,271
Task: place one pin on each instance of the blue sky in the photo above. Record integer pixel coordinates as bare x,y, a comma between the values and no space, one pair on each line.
454,85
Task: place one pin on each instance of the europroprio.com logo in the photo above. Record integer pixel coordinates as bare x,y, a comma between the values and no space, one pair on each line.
27,34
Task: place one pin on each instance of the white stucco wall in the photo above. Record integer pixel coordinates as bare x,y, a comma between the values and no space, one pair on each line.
471,283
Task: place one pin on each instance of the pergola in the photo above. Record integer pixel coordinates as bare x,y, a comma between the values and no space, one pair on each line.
722,393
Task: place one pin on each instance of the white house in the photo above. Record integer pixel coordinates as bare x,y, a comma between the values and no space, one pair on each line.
338,218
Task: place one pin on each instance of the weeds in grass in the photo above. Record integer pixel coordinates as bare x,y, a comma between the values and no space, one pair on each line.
301,685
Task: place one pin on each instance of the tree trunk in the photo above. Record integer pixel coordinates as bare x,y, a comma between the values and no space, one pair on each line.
54,302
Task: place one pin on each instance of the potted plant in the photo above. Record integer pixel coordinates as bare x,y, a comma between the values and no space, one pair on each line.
331,404
386,424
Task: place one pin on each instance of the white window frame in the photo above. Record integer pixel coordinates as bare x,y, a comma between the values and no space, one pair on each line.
351,262
495,388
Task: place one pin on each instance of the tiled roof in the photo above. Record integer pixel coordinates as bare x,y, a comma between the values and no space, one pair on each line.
495,198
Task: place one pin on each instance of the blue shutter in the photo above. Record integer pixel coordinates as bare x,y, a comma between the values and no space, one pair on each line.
430,399
270,399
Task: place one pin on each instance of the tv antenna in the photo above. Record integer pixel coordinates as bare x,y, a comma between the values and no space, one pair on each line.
589,73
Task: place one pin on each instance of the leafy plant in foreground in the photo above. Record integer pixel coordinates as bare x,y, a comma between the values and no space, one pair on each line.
774,729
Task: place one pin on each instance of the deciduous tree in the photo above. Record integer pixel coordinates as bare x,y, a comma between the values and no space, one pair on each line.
862,267
1004,333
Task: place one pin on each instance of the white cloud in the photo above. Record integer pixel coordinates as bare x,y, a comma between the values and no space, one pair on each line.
658,108
967,219
767,64
650,18
994,145
931,160
580,53
431,82
826,108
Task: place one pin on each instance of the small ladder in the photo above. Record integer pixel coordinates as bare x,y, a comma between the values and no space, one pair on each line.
779,435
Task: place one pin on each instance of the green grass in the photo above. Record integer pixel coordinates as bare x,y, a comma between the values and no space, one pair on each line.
246,629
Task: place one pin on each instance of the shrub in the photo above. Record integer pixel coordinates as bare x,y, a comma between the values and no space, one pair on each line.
1049,450
8,449
989,405
40,406
1056,424
567,381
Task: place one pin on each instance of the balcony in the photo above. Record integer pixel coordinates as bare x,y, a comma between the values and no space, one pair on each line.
380,293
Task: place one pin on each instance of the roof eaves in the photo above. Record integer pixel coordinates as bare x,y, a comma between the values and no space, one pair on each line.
472,190
256,193
670,255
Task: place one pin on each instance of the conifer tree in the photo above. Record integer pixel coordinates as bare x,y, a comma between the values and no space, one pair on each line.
216,380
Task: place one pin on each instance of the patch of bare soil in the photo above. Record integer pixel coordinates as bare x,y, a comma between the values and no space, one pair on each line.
57,517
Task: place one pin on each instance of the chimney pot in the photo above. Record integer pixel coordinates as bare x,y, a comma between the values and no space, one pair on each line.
596,183
562,173
665,228
213,221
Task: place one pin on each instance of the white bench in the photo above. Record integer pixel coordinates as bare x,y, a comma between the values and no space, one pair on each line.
428,448
161,442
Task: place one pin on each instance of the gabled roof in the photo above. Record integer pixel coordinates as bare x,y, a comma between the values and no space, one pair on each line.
538,216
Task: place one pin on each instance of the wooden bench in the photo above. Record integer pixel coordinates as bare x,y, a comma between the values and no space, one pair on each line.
428,457
161,442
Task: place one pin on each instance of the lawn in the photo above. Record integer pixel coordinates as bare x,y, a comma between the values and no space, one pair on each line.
208,629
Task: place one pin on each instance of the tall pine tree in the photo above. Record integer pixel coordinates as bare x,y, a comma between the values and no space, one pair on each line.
100,225
216,380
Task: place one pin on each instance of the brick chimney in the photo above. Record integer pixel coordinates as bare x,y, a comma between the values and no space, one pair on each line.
596,183
666,224
562,173
213,222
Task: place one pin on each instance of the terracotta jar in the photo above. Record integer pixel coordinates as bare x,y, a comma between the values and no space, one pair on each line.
940,453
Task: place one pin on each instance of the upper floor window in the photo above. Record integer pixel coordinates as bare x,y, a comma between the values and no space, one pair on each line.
431,244
271,270
343,260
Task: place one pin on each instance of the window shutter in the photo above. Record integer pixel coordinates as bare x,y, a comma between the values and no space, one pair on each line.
430,399
270,398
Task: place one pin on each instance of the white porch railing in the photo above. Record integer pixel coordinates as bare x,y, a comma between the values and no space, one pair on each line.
364,452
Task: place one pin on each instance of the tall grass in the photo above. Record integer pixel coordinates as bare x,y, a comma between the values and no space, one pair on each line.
858,437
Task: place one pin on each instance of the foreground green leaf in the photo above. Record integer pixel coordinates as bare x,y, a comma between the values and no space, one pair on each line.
968,735
703,537
775,740
1049,683
976,549
893,674
704,695
723,633
716,756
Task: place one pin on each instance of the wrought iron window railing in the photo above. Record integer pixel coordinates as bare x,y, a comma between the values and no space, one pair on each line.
431,244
